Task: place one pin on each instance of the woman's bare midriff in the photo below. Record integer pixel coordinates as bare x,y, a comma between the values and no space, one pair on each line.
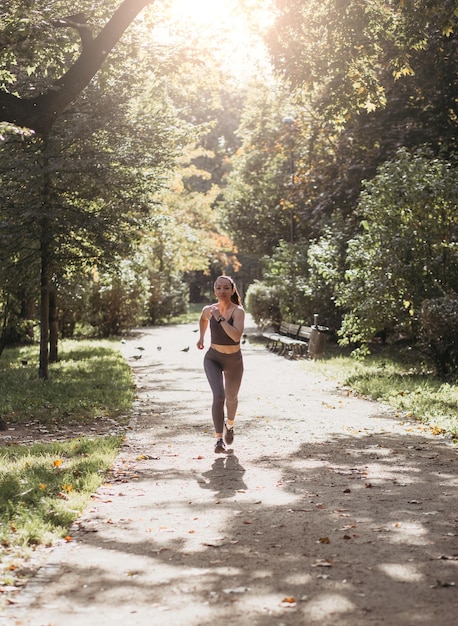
225,349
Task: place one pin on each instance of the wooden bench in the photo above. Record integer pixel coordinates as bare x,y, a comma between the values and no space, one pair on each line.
291,339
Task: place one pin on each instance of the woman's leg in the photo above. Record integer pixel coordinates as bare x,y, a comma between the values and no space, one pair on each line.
233,372
214,371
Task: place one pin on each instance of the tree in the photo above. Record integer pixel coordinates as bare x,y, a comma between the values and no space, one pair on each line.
406,251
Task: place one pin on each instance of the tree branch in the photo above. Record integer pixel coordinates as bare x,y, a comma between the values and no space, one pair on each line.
41,112
79,22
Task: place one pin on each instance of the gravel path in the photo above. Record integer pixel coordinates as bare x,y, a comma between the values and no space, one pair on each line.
329,510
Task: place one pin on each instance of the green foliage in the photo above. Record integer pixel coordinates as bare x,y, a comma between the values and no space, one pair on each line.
326,263
347,53
287,269
168,297
262,301
406,251
118,301
254,202
439,334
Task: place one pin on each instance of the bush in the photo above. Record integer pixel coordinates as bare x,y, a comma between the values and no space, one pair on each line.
263,303
168,297
439,334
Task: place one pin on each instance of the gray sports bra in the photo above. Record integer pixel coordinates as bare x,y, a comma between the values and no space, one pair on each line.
218,336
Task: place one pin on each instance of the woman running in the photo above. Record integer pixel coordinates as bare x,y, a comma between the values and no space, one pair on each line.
223,363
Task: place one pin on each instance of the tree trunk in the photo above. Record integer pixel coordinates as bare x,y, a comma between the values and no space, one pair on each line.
46,263
43,371
4,324
53,326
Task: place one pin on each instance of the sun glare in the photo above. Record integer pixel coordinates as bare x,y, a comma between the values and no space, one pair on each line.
202,11
229,29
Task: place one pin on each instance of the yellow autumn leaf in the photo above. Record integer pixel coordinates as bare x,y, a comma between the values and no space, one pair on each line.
57,462
370,106
42,486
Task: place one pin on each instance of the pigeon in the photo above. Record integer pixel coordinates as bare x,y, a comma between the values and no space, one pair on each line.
139,348
186,349
136,356
159,348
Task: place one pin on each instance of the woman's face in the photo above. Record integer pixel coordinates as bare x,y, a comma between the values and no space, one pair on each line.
223,289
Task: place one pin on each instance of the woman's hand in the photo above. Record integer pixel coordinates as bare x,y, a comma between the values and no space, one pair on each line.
215,312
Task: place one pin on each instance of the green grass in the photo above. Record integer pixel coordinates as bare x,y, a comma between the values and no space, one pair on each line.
193,315
399,379
90,380
44,487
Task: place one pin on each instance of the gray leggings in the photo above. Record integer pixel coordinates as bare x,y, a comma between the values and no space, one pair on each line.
224,373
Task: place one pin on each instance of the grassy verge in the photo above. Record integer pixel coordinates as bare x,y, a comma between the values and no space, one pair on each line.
399,380
45,486
193,315
91,380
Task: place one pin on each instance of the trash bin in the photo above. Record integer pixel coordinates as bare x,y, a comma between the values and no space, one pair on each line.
317,341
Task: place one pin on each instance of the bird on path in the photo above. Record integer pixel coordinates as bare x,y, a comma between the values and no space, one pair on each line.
186,349
136,356
139,348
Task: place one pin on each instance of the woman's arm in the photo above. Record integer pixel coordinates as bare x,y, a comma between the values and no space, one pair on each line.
203,325
235,330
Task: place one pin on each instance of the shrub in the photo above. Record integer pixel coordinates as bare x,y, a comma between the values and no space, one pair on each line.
439,334
263,303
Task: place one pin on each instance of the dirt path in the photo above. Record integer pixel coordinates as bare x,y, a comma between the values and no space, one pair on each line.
329,511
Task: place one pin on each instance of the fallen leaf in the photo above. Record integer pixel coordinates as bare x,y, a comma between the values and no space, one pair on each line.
322,563
57,462
324,540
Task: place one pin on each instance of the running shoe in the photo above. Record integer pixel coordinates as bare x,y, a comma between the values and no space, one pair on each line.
220,446
228,434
